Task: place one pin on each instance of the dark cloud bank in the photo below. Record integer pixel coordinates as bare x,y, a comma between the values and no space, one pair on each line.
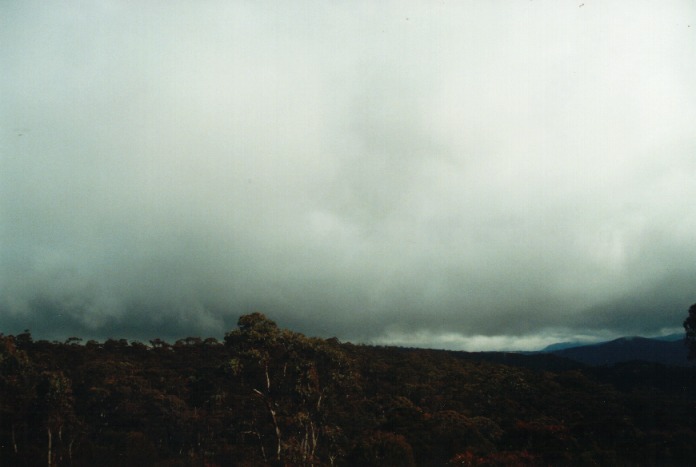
453,175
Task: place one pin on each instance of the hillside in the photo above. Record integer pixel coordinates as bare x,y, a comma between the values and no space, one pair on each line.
628,349
268,396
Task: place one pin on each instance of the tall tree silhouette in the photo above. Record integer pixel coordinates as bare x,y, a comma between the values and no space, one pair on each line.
690,327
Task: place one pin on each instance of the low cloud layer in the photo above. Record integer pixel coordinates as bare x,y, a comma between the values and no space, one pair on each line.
455,175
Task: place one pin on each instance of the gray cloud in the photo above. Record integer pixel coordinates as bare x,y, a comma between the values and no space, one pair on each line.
453,175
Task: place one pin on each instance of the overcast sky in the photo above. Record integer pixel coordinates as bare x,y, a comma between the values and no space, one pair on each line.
460,174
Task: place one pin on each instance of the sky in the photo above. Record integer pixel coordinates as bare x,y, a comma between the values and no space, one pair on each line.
451,174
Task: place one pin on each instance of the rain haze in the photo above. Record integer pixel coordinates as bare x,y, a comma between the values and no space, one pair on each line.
452,174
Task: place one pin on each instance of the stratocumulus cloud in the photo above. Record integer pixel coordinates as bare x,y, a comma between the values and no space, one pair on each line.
451,174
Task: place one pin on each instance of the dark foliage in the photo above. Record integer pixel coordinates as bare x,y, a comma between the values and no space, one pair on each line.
269,396
690,328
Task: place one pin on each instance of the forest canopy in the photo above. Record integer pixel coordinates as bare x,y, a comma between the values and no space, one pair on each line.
271,396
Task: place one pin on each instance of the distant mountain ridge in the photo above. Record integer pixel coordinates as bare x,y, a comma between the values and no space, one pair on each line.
563,345
667,350
570,344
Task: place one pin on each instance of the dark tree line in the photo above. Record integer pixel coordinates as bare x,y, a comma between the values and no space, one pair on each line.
270,396
690,328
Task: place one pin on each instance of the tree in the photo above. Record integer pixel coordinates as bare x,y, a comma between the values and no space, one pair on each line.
55,404
292,378
383,449
18,379
690,328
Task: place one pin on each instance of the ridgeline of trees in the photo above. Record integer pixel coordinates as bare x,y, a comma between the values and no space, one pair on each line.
690,328
269,396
